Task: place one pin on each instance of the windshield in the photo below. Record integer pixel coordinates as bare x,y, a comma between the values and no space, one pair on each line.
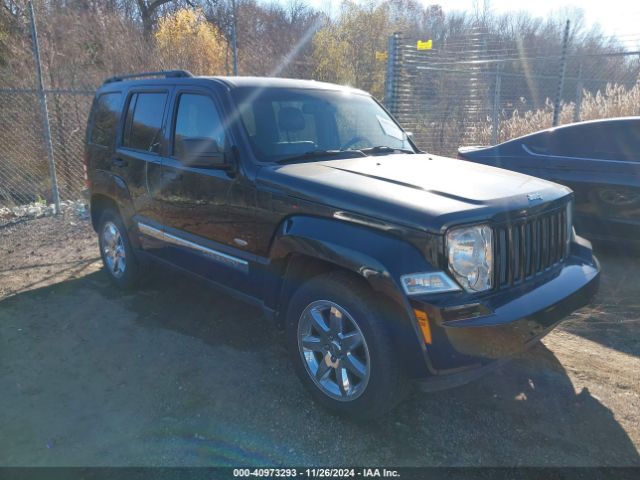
283,122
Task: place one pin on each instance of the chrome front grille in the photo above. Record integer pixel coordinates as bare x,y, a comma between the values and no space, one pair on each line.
527,247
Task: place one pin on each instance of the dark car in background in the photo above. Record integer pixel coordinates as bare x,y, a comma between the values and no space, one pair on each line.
599,160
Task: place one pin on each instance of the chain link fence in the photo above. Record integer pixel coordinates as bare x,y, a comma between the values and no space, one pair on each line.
24,176
474,91
25,170
68,114
32,168
469,93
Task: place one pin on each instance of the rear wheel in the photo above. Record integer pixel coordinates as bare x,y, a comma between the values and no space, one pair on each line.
341,350
116,252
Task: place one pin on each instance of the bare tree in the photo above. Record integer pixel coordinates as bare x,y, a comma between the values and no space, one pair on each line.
148,10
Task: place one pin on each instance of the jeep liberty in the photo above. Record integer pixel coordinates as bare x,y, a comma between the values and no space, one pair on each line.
380,263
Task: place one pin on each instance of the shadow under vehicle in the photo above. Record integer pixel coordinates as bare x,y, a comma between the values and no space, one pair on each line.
135,379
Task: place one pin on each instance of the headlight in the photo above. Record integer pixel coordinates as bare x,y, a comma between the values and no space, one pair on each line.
470,254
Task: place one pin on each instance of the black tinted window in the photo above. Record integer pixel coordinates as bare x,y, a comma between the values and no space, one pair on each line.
283,122
106,113
197,119
144,121
606,140
294,123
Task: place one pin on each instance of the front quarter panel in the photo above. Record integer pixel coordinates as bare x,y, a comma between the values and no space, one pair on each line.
379,258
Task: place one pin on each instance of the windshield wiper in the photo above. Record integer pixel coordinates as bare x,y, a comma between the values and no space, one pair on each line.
384,149
317,153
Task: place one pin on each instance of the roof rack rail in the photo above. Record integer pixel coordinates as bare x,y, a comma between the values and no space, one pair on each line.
164,73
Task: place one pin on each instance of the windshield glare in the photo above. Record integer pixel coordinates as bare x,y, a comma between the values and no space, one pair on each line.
284,122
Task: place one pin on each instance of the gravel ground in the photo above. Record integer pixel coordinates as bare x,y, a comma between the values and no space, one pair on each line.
177,374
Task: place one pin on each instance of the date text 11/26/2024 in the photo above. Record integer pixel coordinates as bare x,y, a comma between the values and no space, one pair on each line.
317,472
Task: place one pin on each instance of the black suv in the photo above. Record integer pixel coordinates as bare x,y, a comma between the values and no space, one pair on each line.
380,262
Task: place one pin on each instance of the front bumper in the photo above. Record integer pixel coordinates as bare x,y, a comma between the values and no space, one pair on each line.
469,339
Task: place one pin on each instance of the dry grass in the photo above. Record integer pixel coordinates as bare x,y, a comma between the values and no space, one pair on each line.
615,101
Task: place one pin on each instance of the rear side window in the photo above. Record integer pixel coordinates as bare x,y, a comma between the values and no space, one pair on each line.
143,126
106,114
607,140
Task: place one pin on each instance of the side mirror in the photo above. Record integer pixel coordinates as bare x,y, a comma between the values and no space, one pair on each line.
201,153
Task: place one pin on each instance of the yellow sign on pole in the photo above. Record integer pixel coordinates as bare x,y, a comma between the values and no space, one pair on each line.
424,44
381,56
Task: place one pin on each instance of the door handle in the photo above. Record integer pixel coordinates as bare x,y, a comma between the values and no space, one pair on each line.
119,162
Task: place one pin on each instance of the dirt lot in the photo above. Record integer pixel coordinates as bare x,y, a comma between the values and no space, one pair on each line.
177,374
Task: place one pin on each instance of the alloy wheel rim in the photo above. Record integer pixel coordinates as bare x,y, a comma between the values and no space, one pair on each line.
618,198
334,351
113,250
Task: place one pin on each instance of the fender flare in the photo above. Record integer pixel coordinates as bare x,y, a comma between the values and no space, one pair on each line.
114,188
377,256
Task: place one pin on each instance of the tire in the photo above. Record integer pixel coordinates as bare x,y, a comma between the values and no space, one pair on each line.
122,267
343,298
611,200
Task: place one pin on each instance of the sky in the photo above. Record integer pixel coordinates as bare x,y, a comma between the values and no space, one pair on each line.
616,17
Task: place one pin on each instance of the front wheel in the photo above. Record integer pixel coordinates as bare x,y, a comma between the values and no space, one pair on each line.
337,334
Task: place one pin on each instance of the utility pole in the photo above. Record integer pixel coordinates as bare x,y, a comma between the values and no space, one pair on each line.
44,111
392,70
234,41
495,114
579,88
563,68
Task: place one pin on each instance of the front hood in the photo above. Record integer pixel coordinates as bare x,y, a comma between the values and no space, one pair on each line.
423,191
